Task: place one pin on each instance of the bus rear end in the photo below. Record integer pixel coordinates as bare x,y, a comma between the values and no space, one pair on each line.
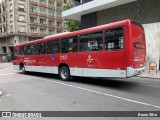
138,50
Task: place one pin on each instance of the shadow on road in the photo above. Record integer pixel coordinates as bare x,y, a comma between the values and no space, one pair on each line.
124,84
121,84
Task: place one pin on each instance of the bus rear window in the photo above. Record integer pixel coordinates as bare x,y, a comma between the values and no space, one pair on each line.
139,45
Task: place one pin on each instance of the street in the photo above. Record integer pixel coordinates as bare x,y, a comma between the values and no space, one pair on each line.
46,92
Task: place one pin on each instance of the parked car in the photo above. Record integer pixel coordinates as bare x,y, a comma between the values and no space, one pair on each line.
4,57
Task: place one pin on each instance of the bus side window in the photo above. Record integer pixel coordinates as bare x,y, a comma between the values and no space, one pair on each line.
43,48
40,48
21,50
53,47
69,45
114,39
91,42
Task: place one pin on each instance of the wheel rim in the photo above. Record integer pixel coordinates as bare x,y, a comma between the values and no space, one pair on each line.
64,74
23,69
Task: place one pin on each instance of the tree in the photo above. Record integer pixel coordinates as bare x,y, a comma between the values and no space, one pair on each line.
73,25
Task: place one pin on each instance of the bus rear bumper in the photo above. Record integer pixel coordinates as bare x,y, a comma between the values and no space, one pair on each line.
133,72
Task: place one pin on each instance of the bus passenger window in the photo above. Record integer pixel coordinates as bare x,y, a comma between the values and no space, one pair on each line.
21,50
70,45
53,47
114,39
91,42
40,48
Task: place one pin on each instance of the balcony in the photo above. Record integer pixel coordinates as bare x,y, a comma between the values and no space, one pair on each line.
52,17
43,5
59,28
60,1
43,15
59,19
51,26
92,6
33,24
34,34
33,13
33,2
42,25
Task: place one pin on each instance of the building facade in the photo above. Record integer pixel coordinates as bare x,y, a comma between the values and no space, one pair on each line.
95,12
27,20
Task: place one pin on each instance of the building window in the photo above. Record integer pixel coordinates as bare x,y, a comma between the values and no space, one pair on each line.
59,5
33,8
22,29
50,3
59,24
3,8
11,18
33,29
59,31
42,21
21,17
11,7
4,29
42,1
42,30
51,12
70,45
11,28
42,10
0,30
65,26
114,39
21,7
91,42
59,14
33,19
34,0
51,32
22,39
51,22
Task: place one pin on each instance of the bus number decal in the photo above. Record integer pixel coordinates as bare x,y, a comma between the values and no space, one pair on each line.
64,57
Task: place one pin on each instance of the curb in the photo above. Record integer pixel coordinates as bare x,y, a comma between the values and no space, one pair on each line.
1,93
148,77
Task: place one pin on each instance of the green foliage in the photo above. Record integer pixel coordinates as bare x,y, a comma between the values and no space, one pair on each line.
73,25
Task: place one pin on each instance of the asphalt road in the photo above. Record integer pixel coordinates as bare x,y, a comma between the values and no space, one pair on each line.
45,92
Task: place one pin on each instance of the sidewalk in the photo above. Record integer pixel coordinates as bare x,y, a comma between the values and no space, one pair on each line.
152,75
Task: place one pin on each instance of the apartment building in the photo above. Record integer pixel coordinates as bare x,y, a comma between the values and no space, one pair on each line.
27,20
97,12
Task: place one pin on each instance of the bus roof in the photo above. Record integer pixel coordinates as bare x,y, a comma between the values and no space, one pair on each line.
76,33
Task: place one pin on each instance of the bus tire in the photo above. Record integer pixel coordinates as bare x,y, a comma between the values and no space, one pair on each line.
23,71
64,73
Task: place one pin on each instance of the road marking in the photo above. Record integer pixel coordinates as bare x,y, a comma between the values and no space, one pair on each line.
93,91
7,74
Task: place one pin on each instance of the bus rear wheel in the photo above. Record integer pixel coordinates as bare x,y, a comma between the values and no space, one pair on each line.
64,73
23,71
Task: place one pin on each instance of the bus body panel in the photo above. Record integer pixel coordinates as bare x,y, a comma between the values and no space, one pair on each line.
139,46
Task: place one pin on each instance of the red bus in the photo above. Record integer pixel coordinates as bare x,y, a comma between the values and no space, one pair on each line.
112,50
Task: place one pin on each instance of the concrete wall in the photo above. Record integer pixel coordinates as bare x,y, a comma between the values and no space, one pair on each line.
152,32
143,11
